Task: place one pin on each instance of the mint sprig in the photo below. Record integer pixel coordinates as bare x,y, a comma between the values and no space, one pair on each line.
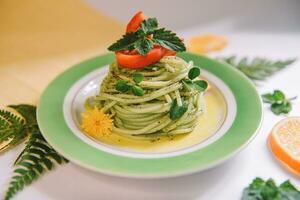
168,39
279,103
146,36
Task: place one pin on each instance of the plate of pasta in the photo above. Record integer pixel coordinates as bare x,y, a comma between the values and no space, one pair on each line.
150,109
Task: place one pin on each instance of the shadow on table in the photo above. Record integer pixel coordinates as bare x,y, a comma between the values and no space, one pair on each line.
74,182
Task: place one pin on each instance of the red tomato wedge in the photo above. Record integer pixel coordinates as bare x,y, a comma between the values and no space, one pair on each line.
137,61
169,52
135,22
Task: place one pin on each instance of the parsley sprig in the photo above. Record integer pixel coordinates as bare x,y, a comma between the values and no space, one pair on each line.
279,103
268,190
146,36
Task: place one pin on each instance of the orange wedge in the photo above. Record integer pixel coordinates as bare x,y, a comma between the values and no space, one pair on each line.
284,142
203,44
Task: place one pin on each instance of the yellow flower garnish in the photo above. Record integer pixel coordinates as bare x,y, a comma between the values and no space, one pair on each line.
96,123
203,44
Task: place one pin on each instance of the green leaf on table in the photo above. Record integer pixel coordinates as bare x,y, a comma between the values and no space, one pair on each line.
37,158
268,190
12,129
268,98
257,68
283,108
279,103
177,111
277,97
288,191
28,112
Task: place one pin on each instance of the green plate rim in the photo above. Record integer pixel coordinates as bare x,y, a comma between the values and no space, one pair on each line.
55,130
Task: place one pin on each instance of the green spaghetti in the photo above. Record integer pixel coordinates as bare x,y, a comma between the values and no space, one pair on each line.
166,89
148,92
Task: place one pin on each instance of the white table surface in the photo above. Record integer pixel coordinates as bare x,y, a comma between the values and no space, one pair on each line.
222,182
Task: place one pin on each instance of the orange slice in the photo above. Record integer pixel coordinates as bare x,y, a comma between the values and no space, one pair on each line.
284,142
207,43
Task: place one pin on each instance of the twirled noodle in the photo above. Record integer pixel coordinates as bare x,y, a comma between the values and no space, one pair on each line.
149,115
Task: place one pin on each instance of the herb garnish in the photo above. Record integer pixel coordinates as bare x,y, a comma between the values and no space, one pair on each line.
137,77
123,86
146,36
199,85
267,190
257,68
177,111
137,90
194,73
279,103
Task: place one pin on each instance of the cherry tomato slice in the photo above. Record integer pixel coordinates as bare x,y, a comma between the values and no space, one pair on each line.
137,61
168,52
135,22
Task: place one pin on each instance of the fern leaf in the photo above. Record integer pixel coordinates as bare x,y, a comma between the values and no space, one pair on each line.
37,158
12,129
257,68
28,112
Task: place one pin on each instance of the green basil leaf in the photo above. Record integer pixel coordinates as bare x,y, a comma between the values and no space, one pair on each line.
194,73
138,77
137,91
177,111
122,86
200,85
